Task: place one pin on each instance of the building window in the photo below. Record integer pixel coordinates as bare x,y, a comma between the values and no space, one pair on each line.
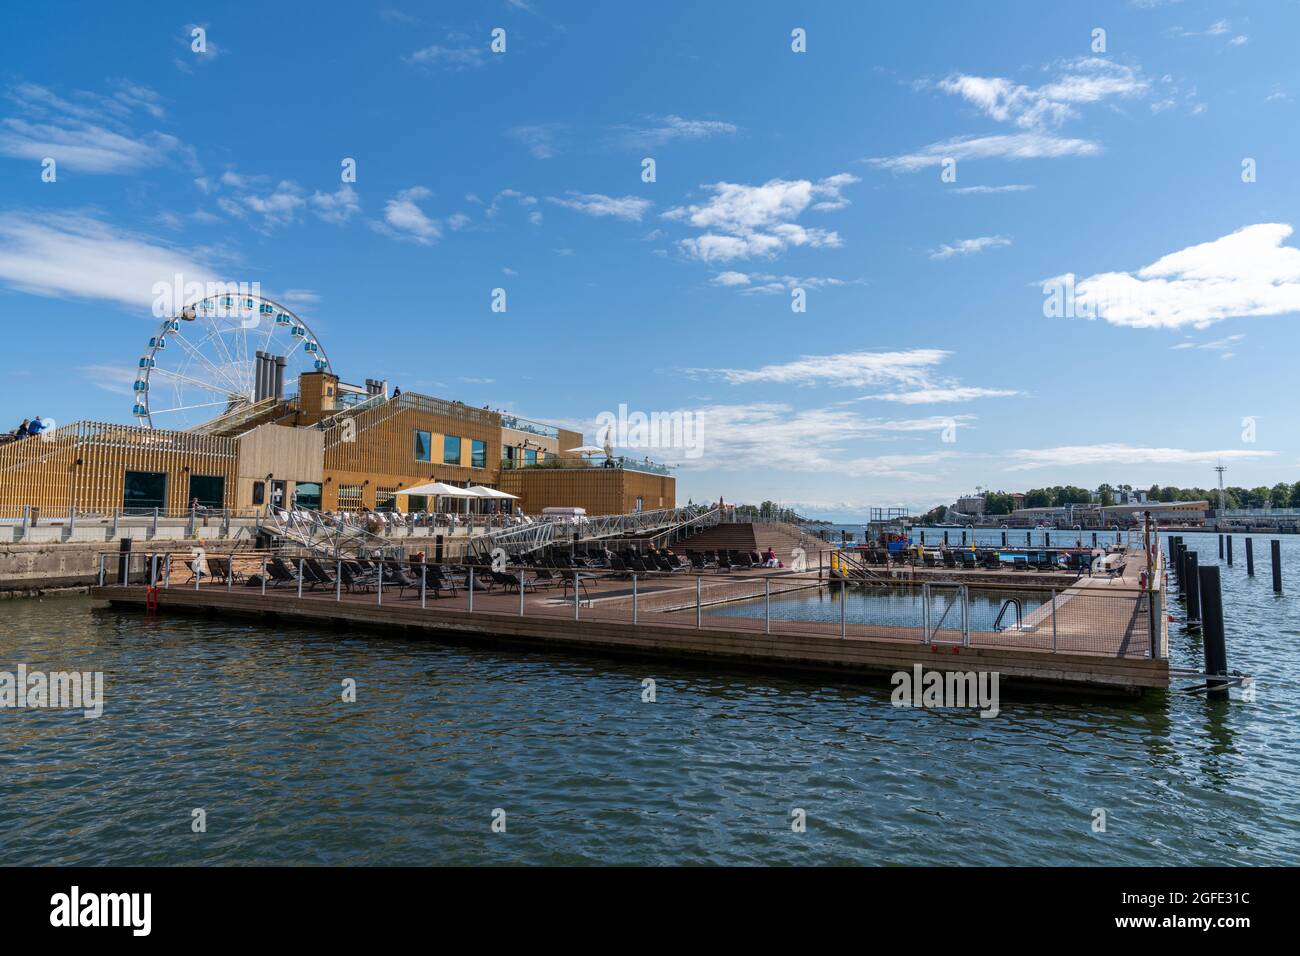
640,503
479,454
143,491
306,494
530,456
209,491
423,446
508,455
350,498
385,499
259,492
417,503
451,449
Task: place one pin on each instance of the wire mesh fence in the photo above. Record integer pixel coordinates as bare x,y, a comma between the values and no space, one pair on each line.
1080,617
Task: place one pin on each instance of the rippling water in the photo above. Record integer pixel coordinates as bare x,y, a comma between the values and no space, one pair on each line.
248,723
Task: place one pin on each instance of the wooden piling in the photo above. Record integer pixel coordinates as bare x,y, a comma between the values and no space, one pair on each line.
1250,557
1216,652
1191,563
1229,550
1277,565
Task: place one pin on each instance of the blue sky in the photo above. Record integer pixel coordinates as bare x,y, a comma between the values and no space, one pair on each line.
924,364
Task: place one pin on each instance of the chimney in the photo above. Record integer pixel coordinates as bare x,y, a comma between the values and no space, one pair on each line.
280,363
259,377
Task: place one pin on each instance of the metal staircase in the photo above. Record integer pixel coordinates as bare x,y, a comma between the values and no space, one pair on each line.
308,529
525,539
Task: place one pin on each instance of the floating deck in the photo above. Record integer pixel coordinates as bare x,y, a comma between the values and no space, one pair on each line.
1083,651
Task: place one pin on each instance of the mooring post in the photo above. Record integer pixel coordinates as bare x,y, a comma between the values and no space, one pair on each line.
300,563
471,589
102,563
167,572
338,580
1220,547
963,537
230,572
634,599
1277,565
945,539
923,536
263,574
697,600
1094,539
1250,557
1229,550
1029,539
424,571
123,561
1004,539
1216,652
521,593
1047,539
1191,562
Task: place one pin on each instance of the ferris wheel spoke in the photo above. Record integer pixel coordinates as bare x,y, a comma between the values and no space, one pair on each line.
217,370
199,383
185,408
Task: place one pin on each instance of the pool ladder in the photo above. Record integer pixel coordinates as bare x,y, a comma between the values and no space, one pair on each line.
1010,603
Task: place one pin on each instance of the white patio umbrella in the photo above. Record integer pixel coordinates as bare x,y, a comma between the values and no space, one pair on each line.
485,492
439,489
585,450
493,493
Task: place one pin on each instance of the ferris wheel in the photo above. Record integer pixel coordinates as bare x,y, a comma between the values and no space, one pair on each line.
207,361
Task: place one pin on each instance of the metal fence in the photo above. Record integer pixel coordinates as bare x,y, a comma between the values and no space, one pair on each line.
1077,619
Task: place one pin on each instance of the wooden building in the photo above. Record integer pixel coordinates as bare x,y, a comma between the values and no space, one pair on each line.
332,447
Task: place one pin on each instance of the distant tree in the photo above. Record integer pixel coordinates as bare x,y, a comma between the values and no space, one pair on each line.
1106,495
1038,498
1072,495
1282,495
997,503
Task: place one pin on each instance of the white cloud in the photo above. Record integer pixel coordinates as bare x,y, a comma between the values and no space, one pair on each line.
763,283
1116,453
91,133
1247,273
743,221
911,373
967,247
459,57
541,139
851,369
950,393
988,190
74,256
338,206
629,208
1016,146
406,220
1084,80
661,130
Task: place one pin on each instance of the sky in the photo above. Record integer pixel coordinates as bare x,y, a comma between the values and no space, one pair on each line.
860,255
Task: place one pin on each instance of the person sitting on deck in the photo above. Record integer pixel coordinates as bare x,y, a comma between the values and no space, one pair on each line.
770,559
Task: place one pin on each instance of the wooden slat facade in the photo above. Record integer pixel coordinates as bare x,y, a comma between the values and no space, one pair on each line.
376,448
84,465
601,491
